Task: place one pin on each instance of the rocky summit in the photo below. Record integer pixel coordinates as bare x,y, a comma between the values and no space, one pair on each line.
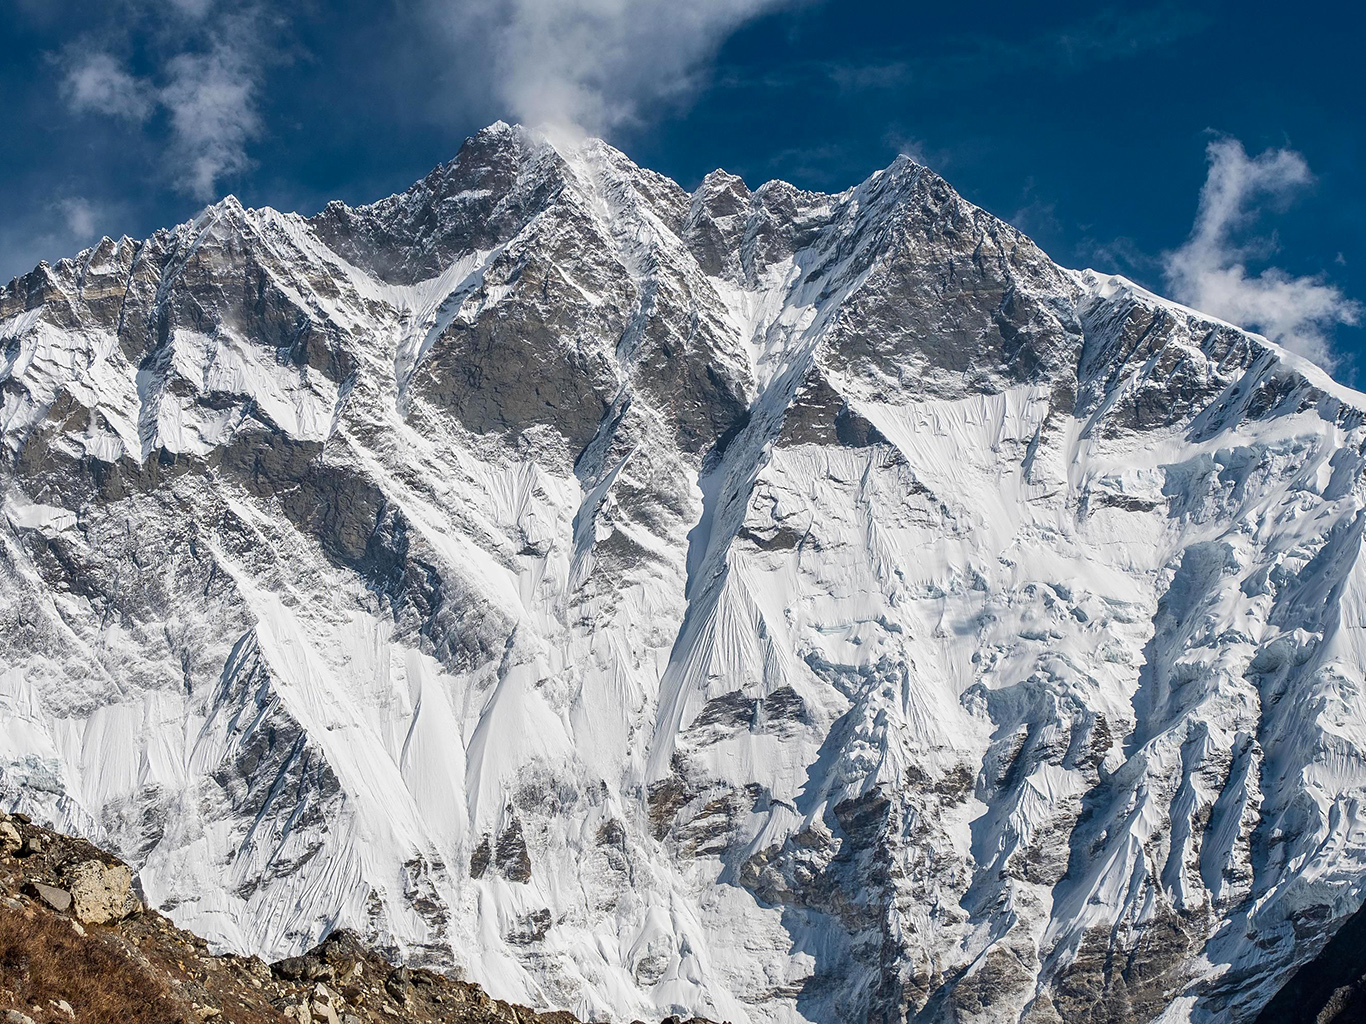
760,605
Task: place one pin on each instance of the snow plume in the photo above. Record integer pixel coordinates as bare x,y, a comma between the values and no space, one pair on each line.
1210,271
207,92
593,64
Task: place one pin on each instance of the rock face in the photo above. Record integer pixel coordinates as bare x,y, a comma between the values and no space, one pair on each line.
757,604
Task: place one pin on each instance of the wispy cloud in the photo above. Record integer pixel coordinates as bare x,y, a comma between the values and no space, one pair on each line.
896,139
590,64
193,8
1036,216
97,83
211,101
1210,271
206,85
61,226
1117,33
1119,255
81,217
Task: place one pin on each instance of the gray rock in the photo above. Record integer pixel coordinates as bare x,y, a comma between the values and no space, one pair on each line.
324,1004
399,984
510,854
57,899
531,928
481,858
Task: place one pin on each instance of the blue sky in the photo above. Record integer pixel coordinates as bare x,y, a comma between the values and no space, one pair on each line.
1210,151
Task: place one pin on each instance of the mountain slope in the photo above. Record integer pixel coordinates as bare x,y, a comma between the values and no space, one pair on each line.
764,605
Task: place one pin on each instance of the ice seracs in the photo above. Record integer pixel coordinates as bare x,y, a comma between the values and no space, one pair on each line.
764,604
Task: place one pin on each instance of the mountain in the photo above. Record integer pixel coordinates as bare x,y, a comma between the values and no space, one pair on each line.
762,605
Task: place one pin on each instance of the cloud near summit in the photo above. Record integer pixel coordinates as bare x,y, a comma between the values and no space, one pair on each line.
1210,271
577,65
205,79
592,65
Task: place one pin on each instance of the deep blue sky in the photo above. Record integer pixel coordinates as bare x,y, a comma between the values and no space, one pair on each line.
1085,126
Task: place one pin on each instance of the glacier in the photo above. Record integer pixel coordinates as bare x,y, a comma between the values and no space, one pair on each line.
765,605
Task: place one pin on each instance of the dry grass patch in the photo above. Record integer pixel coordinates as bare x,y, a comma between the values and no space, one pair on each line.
43,959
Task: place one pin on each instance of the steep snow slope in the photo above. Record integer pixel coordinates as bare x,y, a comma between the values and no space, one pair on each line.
770,605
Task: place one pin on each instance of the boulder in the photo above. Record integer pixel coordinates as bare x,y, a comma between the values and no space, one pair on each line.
10,840
399,984
101,893
324,1004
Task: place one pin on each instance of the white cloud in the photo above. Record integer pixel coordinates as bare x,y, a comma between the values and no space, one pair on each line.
206,85
591,64
1210,270
211,101
97,83
80,216
574,65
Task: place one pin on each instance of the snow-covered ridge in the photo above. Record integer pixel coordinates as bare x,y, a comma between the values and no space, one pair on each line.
763,604
1108,287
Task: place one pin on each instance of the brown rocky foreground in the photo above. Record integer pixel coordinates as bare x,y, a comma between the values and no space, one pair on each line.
76,944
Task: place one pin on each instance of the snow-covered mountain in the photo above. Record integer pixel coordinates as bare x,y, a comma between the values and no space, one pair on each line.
768,605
